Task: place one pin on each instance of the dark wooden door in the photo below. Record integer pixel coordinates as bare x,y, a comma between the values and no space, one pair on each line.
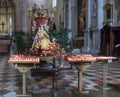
105,40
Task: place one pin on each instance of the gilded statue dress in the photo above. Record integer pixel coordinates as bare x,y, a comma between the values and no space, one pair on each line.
41,39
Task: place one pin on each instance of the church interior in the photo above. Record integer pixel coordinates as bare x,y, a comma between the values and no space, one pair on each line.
59,48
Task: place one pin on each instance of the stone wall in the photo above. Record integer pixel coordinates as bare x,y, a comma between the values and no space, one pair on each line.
22,22
58,19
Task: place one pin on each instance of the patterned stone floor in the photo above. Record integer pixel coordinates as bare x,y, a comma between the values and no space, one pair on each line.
11,79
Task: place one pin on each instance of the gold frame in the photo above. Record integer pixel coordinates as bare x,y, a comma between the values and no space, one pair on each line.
6,12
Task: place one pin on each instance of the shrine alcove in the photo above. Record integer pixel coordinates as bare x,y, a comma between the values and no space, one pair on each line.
6,17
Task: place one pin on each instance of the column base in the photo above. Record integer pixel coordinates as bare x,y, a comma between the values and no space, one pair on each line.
84,92
24,96
107,88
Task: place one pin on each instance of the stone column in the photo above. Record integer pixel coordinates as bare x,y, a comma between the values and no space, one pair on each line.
70,21
100,18
96,25
69,15
66,12
24,15
74,17
88,23
18,14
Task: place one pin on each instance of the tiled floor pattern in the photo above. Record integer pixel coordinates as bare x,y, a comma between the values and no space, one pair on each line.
11,79
95,73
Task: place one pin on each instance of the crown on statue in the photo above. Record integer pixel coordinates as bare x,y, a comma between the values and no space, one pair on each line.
38,12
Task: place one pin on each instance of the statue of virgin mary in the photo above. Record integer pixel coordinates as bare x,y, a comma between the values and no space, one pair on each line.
41,39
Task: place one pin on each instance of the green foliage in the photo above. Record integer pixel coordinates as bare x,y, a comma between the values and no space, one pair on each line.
22,41
62,36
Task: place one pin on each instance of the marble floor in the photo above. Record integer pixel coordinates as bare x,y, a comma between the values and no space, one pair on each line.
66,81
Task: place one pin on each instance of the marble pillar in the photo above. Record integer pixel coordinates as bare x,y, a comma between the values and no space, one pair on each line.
95,48
69,21
74,17
87,40
24,16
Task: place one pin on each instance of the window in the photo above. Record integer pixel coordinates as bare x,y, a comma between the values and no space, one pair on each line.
54,3
108,12
10,32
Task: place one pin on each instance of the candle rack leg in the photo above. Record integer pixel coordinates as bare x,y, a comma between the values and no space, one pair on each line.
79,80
24,83
105,67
